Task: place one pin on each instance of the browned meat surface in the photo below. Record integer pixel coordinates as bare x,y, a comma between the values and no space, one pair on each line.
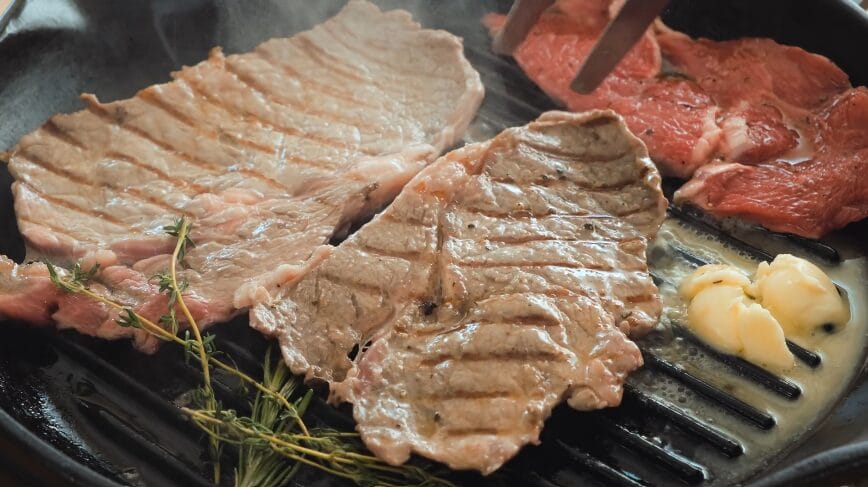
270,153
503,279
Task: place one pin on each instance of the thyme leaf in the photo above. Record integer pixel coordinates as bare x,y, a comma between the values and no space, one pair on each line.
181,230
78,278
129,319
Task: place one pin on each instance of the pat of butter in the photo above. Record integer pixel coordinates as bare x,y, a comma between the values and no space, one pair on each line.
713,316
763,339
712,275
799,295
788,297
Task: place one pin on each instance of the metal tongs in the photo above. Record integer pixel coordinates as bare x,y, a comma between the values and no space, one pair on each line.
622,33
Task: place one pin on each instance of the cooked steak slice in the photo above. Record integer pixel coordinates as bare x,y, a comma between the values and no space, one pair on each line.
270,153
503,279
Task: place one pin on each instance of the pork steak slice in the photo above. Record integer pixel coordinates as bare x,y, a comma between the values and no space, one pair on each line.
504,278
270,153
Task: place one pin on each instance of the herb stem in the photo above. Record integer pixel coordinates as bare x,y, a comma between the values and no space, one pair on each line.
173,272
304,454
155,329
256,384
183,237
274,440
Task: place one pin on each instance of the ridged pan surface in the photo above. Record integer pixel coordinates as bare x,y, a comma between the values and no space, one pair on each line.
102,414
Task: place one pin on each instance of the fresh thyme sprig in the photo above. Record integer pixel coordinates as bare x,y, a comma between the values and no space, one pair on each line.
181,230
260,466
77,278
170,285
275,431
270,436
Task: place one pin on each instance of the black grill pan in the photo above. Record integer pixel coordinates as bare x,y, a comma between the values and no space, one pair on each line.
79,411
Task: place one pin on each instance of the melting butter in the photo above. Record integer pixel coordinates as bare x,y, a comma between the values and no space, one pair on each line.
799,295
789,297
724,315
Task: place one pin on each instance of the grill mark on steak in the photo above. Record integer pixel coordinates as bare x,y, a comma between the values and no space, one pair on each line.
497,356
472,432
530,322
433,396
61,173
535,311
195,86
321,87
56,229
89,212
552,238
564,264
54,131
533,321
523,214
211,167
152,99
409,222
544,151
549,183
642,298
179,186
354,285
325,59
277,99
410,256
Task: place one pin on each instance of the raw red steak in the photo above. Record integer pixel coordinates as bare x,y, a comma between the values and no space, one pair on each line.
270,153
680,130
766,90
809,198
751,101
554,49
677,121
501,281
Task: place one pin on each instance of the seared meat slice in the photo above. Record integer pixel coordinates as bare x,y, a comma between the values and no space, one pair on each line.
502,280
270,153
